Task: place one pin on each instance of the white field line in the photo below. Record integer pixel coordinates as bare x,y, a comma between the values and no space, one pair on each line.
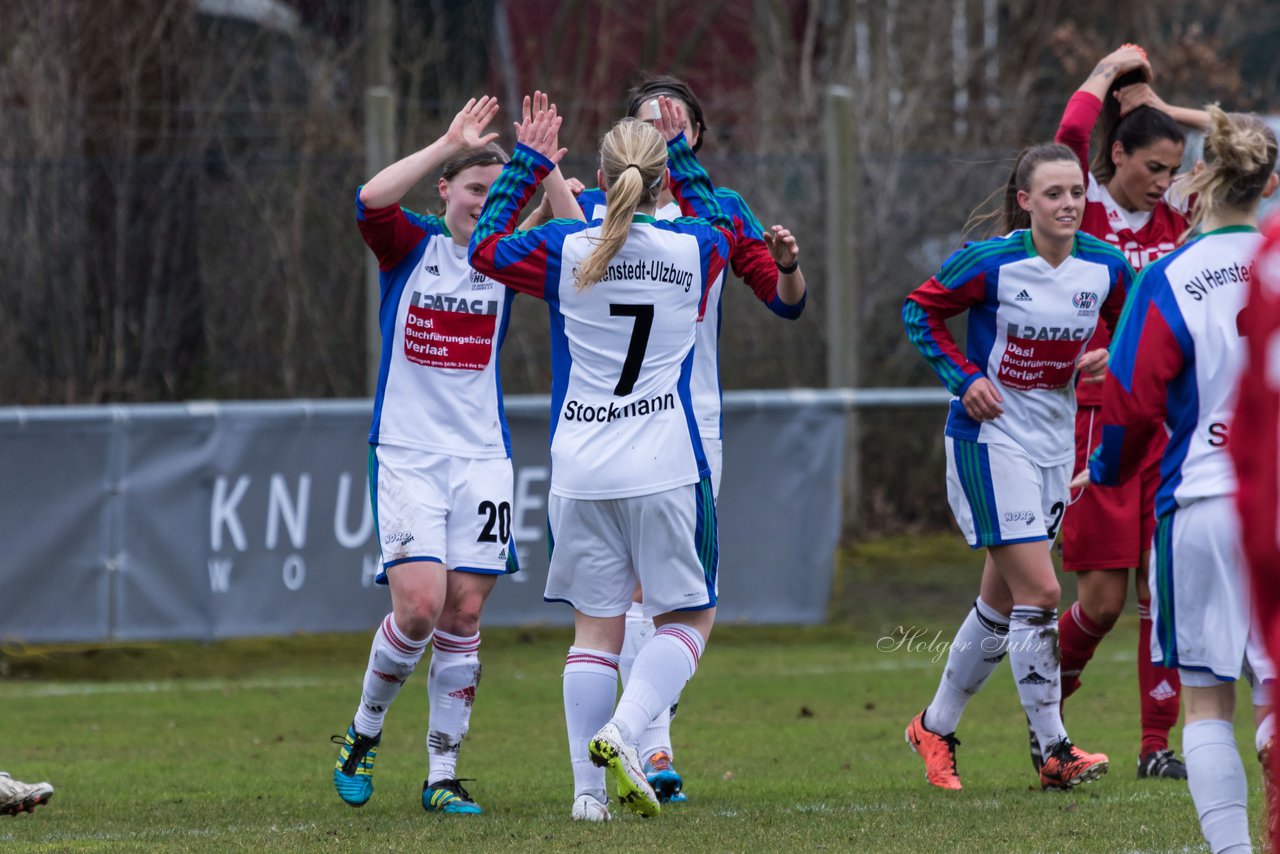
23,690
88,689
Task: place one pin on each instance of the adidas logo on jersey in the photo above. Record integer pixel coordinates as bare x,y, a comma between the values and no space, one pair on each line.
431,269
1163,691
1033,678
1022,296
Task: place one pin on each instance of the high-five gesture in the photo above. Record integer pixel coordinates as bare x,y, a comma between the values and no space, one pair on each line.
540,128
670,118
467,128
466,131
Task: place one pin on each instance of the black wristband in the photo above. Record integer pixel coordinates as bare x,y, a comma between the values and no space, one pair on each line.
795,265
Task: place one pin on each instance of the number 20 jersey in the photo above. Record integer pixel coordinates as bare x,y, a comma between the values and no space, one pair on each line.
623,422
442,326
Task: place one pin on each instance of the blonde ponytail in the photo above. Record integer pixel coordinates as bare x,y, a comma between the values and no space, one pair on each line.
1239,155
633,156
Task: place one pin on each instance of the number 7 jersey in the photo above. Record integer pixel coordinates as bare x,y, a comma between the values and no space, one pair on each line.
622,350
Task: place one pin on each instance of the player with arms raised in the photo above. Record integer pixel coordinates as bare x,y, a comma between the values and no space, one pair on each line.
767,261
631,497
440,456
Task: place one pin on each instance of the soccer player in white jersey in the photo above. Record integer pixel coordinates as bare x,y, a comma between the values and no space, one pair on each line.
1033,298
767,261
1176,360
631,496
440,455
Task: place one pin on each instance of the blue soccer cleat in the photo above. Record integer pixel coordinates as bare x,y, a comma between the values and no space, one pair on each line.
353,772
448,796
664,778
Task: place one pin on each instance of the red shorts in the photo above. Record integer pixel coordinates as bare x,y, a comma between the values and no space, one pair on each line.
1109,527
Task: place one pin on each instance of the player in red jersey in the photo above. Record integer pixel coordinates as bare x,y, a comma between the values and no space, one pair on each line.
1255,445
1132,203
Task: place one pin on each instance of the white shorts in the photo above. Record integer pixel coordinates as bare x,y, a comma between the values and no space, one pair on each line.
999,495
1201,607
665,541
437,507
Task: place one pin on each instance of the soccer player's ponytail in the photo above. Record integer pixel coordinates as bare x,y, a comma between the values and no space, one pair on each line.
1239,157
633,156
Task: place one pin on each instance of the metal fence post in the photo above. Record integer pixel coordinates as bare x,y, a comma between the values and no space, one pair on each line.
843,286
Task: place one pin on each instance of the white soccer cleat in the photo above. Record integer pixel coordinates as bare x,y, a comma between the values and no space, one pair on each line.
609,750
17,796
587,808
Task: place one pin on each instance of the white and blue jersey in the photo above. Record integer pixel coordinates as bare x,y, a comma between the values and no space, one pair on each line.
439,388
1028,324
623,421
1176,360
752,263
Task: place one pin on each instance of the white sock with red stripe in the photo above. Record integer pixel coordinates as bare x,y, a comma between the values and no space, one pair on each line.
657,736
451,689
660,673
391,659
590,690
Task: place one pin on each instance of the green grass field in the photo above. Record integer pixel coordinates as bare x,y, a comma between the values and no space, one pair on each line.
789,740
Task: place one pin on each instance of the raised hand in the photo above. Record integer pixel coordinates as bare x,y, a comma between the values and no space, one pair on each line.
782,245
538,102
670,118
1139,95
1124,59
540,129
467,128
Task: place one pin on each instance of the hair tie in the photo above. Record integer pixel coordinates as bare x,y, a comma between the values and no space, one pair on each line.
630,166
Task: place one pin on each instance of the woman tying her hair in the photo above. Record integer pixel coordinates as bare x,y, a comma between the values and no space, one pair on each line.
1132,203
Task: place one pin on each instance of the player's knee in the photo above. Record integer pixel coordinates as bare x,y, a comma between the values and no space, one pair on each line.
1044,595
1104,614
463,618
418,612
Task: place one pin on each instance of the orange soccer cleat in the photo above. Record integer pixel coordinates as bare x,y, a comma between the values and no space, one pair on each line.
1067,766
938,753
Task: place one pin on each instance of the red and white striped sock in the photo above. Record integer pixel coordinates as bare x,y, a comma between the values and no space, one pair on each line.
392,658
663,667
590,689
